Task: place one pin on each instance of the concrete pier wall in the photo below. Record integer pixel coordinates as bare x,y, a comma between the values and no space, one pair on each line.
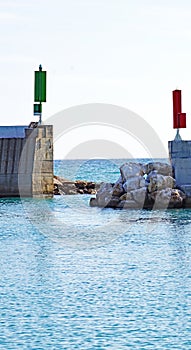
180,156
26,162
42,176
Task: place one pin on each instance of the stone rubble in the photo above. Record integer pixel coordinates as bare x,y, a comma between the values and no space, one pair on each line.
149,186
146,186
66,187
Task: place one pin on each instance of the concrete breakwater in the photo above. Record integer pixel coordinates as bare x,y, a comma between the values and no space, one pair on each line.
26,161
149,186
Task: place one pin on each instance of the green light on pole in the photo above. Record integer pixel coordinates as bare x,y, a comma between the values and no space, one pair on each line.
39,91
37,108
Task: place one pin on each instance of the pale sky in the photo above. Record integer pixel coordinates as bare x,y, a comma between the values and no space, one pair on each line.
121,52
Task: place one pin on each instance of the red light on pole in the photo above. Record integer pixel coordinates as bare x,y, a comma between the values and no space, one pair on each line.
181,120
177,107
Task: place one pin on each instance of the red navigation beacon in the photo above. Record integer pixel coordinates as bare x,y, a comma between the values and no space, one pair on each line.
179,118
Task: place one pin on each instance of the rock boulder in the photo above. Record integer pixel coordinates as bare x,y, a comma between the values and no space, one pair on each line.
168,198
159,182
161,168
104,194
134,183
141,186
129,170
139,195
118,189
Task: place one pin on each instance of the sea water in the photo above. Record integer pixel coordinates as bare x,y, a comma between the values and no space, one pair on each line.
76,277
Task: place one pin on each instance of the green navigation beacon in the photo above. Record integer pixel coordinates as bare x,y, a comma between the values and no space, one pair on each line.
39,91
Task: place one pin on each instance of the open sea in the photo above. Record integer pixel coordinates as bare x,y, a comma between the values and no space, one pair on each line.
76,277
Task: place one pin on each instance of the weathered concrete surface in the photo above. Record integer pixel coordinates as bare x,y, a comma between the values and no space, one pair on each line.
26,161
42,175
10,152
180,157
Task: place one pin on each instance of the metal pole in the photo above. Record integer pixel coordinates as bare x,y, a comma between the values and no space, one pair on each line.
178,137
40,116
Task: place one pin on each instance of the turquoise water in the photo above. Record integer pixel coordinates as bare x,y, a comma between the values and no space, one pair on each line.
75,277
94,169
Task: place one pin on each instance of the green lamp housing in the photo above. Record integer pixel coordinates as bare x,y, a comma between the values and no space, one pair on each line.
40,86
37,109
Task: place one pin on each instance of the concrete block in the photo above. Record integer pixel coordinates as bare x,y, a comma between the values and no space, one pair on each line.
41,132
180,156
181,149
11,156
33,133
49,131
42,184
19,144
9,185
26,169
43,166
25,185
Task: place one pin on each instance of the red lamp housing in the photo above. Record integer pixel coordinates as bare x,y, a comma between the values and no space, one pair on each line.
181,120
177,107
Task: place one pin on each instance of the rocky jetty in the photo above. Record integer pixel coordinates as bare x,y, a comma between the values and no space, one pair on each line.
67,187
150,185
